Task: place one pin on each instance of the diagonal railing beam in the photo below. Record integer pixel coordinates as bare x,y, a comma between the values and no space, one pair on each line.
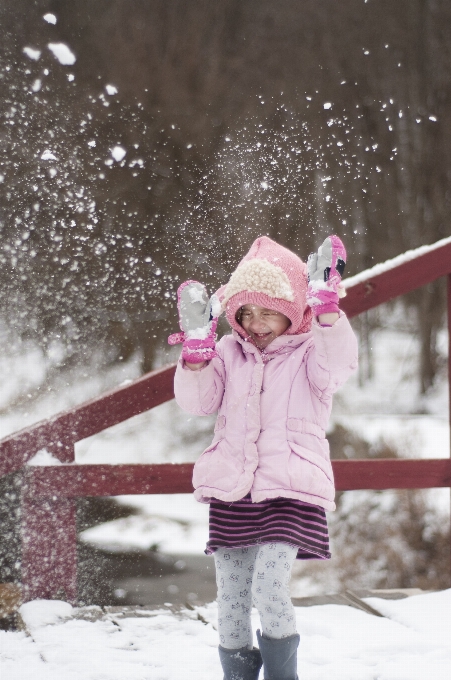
60,433
396,277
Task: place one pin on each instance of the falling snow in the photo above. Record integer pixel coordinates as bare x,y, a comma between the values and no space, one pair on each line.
32,53
118,153
63,53
49,18
48,156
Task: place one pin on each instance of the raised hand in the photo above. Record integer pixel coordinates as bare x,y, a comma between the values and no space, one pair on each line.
198,318
325,269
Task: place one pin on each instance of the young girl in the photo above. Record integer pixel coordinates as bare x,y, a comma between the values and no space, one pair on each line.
267,474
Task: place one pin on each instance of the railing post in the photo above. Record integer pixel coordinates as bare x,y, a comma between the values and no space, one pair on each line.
449,382
49,545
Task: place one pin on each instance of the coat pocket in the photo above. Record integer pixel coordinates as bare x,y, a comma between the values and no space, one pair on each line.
309,465
202,465
310,472
308,440
219,467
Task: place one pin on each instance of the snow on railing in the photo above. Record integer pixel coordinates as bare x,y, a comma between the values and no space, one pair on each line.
401,275
395,262
49,561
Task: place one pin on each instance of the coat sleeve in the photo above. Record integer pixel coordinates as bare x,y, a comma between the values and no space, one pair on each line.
333,356
200,392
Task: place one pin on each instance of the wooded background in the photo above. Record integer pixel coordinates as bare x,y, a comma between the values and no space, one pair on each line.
239,118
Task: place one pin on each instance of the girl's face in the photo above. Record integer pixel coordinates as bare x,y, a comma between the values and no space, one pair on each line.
263,325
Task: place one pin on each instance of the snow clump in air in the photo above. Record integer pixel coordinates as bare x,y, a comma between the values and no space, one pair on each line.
118,153
110,89
47,155
62,52
327,105
32,53
49,18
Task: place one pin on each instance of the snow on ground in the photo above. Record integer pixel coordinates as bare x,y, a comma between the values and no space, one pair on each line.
174,523
393,388
25,396
410,642
417,436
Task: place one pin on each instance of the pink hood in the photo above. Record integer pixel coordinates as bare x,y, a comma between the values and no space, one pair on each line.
270,276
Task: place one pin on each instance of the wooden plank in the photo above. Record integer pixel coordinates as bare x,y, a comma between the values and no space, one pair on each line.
49,547
449,371
400,280
59,434
114,480
392,473
18,448
449,343
109,480
141,395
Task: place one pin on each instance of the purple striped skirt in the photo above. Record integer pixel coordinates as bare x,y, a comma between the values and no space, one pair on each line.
280,520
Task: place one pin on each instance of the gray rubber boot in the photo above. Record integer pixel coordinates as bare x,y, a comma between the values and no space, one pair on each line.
240,664
279,657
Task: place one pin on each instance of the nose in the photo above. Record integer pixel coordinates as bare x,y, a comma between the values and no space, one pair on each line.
257,325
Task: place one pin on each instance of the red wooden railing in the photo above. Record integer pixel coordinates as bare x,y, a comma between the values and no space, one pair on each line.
49,562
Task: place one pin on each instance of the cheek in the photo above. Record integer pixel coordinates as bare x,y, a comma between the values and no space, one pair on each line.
281,327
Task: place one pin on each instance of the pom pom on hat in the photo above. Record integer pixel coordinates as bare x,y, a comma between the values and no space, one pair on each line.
273,277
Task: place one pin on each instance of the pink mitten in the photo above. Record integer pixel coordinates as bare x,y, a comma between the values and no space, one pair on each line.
198,318
325,269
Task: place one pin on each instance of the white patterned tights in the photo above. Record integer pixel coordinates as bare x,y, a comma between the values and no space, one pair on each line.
260,576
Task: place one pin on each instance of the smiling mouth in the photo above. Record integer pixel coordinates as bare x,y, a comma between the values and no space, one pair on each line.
261,336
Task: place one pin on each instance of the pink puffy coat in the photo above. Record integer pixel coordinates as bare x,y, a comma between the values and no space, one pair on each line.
269,436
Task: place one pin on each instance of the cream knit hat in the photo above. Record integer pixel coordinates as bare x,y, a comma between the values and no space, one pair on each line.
270,276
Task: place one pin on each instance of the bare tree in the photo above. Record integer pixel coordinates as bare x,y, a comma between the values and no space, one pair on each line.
291,119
